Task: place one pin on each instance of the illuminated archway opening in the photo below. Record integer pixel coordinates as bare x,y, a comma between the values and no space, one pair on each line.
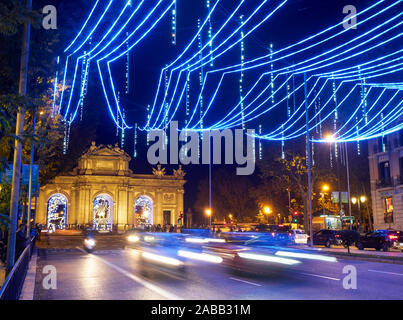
143,211
103,212
57,212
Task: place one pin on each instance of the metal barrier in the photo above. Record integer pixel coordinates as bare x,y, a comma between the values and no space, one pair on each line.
12,287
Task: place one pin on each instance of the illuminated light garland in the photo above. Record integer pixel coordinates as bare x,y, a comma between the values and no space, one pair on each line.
173,24
117,124
380,44
302,127
359,117
130,48
194,39
201,74
55,86
260,143
196,65
336,117
339,46
127,68
282,147
83,27
271,73
148,134
95,47
122,141
242,74
359,23
135,141
125,41
288,98
210,33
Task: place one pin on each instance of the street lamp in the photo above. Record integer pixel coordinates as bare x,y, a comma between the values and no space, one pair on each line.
208,213
357,201
332,139
325,189
267,211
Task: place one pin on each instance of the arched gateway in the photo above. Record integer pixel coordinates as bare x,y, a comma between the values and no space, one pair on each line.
57,212
103,212
143,211
103,191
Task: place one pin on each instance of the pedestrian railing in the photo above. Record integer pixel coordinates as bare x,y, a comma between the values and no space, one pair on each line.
12,287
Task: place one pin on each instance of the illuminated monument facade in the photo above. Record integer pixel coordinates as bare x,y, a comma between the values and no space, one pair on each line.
103,192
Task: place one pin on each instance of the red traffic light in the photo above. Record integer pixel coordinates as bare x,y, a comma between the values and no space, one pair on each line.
295,213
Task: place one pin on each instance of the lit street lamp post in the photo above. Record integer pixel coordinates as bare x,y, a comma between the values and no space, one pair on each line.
325,189
208,213
267,211
354,201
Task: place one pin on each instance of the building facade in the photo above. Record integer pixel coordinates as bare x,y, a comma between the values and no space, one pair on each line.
386,172
104,193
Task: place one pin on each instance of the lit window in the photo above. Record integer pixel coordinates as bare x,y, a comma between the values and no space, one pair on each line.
388,214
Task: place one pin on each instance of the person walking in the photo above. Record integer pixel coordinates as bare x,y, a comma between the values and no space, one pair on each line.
21,241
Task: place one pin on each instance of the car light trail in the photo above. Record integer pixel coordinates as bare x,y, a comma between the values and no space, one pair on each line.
266,258
133,238
161,259
305,256
200,256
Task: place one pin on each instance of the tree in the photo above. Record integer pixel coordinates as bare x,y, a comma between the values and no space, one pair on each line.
230,195
291,173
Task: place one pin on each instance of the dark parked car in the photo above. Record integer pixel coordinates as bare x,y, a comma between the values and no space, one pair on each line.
326,238
335,237
381,240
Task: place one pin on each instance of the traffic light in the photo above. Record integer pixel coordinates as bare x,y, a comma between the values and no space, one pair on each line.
295,214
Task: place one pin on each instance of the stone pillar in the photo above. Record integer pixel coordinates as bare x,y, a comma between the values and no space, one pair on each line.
87,205
72,210
80,205
42,208
130,206
179,204
122,209
158,217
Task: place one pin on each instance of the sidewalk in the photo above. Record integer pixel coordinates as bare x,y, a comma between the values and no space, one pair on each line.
394,256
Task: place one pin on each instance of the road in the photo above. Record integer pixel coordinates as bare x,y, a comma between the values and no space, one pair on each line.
116,274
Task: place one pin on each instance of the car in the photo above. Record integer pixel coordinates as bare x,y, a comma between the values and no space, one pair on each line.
299,236
282,234
381,240
327,238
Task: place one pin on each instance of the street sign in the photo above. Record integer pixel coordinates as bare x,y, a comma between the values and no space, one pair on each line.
347,218
344,197
6,177
25,174
335,197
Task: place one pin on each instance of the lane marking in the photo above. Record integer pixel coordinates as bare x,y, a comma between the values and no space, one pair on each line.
394,273
248,282
162,292
319,276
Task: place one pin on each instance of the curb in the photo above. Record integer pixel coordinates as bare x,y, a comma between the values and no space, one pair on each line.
27,292
362,257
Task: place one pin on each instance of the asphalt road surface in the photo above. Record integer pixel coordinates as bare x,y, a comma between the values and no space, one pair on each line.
118,274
